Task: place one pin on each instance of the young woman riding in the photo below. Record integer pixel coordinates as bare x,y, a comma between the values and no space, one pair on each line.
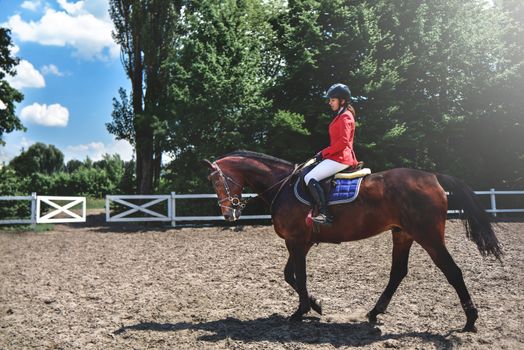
339,155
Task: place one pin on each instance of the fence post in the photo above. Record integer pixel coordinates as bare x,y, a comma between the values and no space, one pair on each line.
107,208
173,209
33,210
493,201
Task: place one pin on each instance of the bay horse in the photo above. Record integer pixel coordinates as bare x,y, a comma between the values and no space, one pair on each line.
411,203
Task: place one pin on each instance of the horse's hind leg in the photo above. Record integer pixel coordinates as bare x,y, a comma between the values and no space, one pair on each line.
399,268
441,257
289,276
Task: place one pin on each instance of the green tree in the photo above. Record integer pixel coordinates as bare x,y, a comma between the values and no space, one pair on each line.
8,95
11,185
127,183
90,182
507,152
428,77
217,75
73,165
39,158
445,96
324,42
145,30
114,167
122,125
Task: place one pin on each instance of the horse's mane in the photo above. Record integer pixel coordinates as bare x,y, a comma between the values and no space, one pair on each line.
256,155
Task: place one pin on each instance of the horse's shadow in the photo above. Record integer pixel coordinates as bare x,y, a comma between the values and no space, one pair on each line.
276,328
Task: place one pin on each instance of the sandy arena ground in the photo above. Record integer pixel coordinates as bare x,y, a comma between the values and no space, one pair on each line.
107,287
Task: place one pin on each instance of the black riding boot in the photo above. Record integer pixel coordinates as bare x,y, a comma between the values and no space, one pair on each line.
323,218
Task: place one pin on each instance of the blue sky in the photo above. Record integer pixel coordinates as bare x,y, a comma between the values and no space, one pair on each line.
69,72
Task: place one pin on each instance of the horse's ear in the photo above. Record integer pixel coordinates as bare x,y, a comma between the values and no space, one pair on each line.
209,164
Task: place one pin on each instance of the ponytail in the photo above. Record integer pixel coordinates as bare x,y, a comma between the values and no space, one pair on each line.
351,109
348,106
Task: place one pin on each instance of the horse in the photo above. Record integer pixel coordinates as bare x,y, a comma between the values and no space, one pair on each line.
410,203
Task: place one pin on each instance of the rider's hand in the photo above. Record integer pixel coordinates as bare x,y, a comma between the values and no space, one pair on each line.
318,157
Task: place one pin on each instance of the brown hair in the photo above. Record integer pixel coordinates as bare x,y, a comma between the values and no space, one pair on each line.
348,106
351,109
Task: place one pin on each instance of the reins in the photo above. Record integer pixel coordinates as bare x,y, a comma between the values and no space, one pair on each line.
242,203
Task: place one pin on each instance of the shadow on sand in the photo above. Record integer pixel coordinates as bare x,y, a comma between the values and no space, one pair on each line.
276,328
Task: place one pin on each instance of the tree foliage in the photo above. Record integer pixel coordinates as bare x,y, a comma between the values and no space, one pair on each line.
39,158
8,95
432,81
122,125
436,84
27,173
218,79
145,30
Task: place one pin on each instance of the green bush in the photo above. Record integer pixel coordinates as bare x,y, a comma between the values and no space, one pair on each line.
10,185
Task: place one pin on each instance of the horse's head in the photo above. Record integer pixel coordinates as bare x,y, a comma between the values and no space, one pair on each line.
228,187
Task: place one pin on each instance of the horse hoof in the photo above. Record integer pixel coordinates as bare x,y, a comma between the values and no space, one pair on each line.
316,305
469,328
296,317
372,317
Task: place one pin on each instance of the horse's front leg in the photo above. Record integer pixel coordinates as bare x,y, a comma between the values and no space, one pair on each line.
289,275
297,254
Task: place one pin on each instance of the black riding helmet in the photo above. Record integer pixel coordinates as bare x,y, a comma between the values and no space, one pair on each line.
339,91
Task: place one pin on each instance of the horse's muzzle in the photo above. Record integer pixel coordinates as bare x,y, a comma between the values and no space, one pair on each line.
232,215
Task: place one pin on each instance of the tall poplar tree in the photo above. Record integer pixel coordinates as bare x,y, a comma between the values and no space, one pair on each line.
145,31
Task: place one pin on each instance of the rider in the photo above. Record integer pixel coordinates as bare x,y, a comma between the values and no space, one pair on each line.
339,155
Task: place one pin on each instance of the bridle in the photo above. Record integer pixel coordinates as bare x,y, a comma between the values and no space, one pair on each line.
239,203
236,202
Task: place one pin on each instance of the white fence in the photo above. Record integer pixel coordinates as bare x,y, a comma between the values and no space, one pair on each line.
31,220
52,217
37,214
493,200
176,218
135,208
173,217
169,215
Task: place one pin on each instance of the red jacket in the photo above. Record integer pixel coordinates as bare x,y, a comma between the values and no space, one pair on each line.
341,134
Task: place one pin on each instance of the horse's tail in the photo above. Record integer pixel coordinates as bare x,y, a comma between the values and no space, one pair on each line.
477,221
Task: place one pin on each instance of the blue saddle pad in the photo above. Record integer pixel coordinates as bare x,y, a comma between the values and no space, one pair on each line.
345,191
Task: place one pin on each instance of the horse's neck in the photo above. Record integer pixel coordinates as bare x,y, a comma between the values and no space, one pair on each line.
264,177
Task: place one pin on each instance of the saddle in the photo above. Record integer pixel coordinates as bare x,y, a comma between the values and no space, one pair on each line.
340,188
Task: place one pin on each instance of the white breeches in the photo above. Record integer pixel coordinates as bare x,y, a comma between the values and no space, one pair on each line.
324,169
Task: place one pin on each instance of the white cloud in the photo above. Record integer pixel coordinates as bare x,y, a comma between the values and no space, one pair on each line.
31,5
52,115
51,69
95,150
2,105
72,8
75,27
26,77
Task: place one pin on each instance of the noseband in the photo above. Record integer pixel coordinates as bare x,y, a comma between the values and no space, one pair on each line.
236,203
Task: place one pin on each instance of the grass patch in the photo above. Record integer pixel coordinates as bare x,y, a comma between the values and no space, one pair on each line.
26,228
95,203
